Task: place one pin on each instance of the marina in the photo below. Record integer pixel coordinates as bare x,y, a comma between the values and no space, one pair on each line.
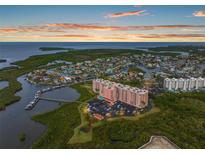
15,116
38,97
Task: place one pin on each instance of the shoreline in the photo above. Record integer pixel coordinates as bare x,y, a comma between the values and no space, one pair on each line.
34,62
58,133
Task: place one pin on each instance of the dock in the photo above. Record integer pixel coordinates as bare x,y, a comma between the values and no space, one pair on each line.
53,100
38,97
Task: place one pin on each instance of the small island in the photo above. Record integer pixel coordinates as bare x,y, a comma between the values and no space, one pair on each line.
22,137
90,122
53,48
3,60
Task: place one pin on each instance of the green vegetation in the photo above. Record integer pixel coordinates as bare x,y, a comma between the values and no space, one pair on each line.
7,94
132,83
172,54
86,93
136,117
135,70
54,48
61,122
8,68
22,137
75,56
179,48
79,135
180,118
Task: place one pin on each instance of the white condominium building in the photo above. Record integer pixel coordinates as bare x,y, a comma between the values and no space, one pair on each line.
184,84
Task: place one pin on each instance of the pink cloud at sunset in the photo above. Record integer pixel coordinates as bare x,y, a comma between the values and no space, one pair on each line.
123,14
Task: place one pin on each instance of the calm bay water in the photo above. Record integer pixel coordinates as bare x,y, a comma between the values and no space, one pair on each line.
15,120
13,51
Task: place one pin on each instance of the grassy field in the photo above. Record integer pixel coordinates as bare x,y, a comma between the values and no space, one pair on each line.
79,136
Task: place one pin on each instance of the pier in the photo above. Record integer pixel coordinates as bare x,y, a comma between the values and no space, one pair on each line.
38,97
53,100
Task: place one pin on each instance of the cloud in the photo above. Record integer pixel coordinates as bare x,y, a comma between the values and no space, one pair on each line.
65,27
8,30
109,37
70,36
29,29
124,14
126,36
83,26
118,28
193,30
199,13
89,32
162,36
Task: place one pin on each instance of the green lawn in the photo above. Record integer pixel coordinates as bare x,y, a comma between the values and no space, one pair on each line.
79,136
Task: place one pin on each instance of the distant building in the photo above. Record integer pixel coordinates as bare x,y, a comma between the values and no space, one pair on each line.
184,84
112,92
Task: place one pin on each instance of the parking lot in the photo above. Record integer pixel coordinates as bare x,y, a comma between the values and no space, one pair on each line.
103,108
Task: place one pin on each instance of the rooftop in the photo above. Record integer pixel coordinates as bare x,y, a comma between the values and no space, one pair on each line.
159,142
110,83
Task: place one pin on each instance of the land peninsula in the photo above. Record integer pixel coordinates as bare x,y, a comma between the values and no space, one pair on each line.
178,116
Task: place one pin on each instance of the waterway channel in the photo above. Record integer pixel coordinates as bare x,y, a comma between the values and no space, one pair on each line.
16,120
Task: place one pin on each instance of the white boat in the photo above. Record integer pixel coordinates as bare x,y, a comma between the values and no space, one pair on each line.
28,107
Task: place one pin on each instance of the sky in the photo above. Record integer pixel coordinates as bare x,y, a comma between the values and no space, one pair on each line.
102,23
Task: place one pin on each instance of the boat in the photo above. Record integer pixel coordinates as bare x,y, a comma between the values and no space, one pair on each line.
28,107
